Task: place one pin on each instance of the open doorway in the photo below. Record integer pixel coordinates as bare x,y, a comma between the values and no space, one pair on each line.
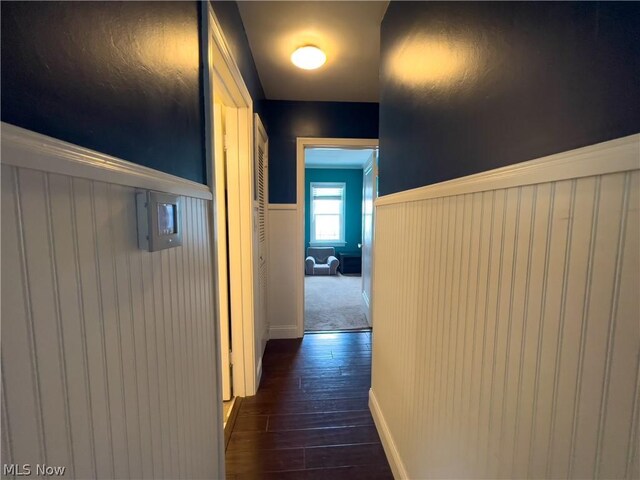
337,236
236,175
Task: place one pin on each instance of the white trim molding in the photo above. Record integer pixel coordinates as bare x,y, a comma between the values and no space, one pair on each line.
224,84
283,206
283,331
340,242
301,144
619,155
27,149
258,372
230,73
393,456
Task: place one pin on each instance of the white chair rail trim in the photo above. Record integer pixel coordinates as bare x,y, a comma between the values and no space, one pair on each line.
283,206
619,155
27,149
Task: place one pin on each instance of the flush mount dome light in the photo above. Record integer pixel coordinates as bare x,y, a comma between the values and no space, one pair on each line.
308,57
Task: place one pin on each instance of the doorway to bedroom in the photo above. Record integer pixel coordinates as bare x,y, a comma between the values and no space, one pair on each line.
339,184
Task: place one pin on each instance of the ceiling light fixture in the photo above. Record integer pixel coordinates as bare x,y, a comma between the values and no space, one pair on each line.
308,57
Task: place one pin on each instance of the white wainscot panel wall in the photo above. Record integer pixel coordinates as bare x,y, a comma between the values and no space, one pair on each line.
507,328
284,271
108,358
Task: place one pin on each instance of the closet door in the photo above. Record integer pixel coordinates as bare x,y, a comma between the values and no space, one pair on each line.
260,234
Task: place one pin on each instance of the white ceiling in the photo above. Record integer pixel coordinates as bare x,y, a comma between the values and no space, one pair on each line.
336,158
348,32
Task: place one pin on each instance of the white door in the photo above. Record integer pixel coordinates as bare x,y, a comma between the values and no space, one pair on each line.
261,189
220,242
369,193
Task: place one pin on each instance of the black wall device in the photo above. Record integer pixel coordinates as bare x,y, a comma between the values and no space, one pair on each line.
159,220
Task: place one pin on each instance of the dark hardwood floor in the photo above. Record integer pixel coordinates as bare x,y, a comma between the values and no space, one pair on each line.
310,419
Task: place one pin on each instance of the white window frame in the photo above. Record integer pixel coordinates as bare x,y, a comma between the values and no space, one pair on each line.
341,242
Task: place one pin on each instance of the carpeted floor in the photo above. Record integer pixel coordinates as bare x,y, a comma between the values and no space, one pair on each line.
333,303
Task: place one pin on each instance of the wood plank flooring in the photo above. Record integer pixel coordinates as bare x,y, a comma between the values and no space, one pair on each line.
310,419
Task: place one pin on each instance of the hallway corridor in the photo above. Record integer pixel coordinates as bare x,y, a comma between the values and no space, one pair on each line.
310,418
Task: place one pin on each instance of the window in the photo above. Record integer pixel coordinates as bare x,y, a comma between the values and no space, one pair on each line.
327,213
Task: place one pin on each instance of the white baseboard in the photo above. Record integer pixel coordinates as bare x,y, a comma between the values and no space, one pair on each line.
393,456
365,299
367,307
282,206
258,373
283,331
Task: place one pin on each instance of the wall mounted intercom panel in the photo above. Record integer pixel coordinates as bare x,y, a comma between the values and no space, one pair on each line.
159,220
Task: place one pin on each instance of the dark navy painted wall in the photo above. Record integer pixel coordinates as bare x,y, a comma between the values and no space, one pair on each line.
230,20
287,120
352,178
508,82
122,78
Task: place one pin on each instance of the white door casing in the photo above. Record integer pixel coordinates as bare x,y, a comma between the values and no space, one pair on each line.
224,82
301,144
369,193
220,241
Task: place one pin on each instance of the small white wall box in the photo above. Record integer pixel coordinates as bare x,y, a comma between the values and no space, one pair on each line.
159,220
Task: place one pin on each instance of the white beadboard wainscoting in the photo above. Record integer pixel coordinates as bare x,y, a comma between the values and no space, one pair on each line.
506,311
284,271
109,365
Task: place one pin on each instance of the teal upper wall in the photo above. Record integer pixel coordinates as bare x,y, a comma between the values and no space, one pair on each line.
353,208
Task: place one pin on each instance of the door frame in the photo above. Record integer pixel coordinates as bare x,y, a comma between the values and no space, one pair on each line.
301,144
260,307
373,165
222,78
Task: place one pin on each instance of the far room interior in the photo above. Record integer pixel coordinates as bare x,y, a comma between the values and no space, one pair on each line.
336,295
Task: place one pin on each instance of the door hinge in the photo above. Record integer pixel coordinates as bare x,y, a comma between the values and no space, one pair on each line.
230,357
225,142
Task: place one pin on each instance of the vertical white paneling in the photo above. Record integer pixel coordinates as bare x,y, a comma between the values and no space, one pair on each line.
516,326
45,315
548,354
92,315
108,351
20,380
190,338
506,341
122,243
72,323
185,439
533,328
153,364
575,292
137,297
469,293
112,339
283,271
195,333
598,323
618,426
